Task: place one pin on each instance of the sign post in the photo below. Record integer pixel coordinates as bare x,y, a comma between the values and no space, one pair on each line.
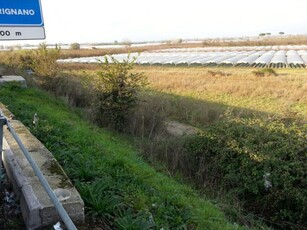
21,20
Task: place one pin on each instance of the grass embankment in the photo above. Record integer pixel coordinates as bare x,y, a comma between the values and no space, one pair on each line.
119,189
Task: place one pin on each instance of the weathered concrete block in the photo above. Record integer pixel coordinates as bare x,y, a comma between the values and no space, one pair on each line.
30,142
8,79
74,206
37,208
14,171
30,208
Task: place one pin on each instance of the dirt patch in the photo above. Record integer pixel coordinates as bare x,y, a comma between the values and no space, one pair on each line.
178,129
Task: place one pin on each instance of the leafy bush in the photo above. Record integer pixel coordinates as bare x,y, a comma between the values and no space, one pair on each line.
126,42
44,64
73,89
11,61
177,41
263,163
75,46
218,73
115,92
265,72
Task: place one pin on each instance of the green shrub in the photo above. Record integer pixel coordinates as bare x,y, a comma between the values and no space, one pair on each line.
11,62
45,66
75,46
218,73
115,92
263,163
265,72
73,89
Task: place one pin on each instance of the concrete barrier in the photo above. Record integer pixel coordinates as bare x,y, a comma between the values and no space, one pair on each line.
8,79
37,208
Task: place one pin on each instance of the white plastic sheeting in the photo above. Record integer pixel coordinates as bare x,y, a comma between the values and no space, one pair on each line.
236,48
258,58
219,59
234,60
279,59
304,57
249,59
265,58
201,61
294,58
302,52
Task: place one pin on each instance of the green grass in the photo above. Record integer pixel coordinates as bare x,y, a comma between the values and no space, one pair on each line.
115,183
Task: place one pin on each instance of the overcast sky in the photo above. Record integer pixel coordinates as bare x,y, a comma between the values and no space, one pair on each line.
68,21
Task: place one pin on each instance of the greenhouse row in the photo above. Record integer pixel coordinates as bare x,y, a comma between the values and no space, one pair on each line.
235,48
272,58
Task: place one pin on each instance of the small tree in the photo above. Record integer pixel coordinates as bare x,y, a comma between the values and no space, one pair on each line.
44,64
177,41
126,42
116,92
75,46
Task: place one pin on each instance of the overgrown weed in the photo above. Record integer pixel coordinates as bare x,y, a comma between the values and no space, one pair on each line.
265,72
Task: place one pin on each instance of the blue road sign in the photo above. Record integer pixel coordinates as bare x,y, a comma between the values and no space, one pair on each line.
21,13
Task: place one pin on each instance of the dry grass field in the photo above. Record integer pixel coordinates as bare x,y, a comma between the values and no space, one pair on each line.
200,95
284,95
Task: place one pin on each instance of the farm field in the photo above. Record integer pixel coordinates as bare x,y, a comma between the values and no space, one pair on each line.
283,95
280,93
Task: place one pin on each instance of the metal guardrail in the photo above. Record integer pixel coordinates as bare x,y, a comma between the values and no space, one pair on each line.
59,207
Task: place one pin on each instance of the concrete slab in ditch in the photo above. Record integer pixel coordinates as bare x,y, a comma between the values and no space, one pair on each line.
37,208
7,79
